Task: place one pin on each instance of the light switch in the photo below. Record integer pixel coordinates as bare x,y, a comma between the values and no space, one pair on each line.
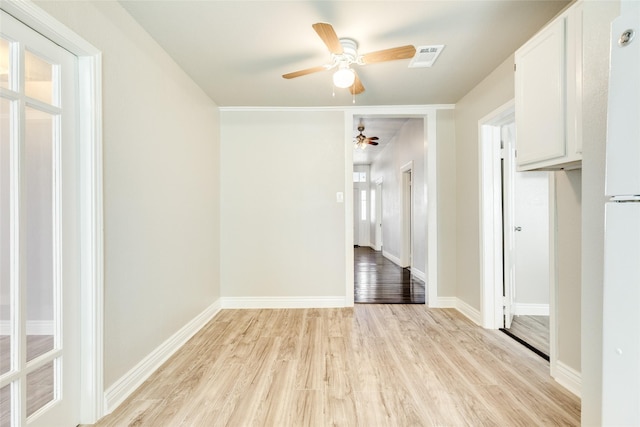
340,197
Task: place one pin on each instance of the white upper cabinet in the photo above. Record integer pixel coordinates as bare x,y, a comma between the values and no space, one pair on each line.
548,95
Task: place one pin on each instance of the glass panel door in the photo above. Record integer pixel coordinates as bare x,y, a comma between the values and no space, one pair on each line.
39,287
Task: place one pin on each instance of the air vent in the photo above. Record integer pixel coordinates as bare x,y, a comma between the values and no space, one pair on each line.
426,56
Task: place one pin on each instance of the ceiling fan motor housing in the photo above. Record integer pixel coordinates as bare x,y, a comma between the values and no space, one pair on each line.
349,52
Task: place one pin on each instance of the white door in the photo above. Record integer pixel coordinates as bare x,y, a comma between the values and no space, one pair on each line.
526,235
531,225
39,250
507,133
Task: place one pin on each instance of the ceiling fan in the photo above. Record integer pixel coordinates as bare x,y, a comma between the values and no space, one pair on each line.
362,141
344,53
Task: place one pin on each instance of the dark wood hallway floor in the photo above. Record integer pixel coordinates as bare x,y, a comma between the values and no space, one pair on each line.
378,280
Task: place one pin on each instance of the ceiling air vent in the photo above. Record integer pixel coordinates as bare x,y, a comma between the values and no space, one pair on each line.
426,56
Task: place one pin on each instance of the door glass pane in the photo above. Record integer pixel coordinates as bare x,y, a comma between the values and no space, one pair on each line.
39,75
4,63
40,387
5,257
39,231
5,406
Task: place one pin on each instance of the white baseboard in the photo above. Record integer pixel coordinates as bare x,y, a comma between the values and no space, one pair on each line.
444,302
464,308
283,302
34,327
130,381
394,259
568,377
521,309
419,274
471,313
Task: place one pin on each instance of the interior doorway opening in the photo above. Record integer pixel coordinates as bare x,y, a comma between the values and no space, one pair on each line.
393,272
88,203
407,218
516,233
525,206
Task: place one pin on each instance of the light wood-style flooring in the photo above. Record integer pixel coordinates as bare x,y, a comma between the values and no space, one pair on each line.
534,330
372,365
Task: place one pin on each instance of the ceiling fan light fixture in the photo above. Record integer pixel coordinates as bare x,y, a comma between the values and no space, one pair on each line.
344,78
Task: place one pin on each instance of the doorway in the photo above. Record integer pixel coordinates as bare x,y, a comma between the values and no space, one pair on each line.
74,224
406,258
525,201
428,178
390,273
39,235
510,229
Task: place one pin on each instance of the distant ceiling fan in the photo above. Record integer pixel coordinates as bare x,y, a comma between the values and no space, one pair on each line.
344,53
362,141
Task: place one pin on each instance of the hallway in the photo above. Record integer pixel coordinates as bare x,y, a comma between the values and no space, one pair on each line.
378,280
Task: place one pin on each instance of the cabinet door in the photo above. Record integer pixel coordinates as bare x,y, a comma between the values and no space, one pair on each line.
540,97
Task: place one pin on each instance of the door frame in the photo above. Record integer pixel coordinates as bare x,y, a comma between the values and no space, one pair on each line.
89,139
406,254
377,238
356,217
428,115
491,223
491,215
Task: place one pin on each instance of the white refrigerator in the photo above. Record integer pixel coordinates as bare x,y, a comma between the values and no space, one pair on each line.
621,300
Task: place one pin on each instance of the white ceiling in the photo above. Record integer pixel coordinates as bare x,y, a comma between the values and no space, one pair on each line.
237,51
384,128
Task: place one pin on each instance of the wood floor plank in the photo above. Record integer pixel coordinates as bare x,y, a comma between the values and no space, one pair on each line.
307,409
311,369
372,365
379,280
534,330
276,403
340,407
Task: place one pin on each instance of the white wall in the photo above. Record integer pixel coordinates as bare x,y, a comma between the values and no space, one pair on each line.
446,198
406,146
568,263
161,186
494,91
282,230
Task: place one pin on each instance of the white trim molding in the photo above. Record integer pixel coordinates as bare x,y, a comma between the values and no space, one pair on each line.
34,327
130,381
284,302
464,308
444,302
471,313
568,378
419,274
490,183
522,309
428,114
394,259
